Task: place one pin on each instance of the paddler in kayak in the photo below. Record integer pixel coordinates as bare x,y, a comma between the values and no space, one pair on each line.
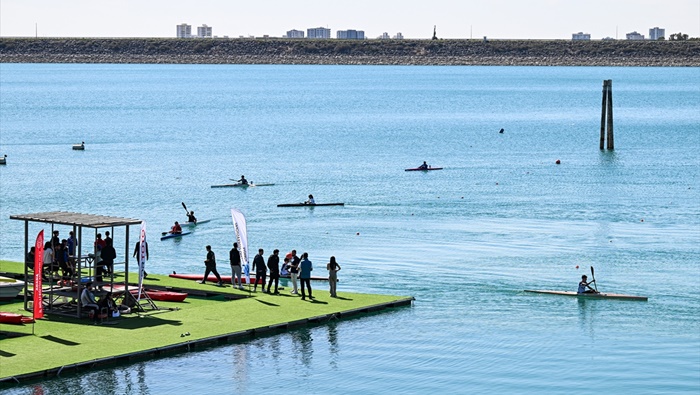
311,200
191,218
176,229
243,181
424,166
584,287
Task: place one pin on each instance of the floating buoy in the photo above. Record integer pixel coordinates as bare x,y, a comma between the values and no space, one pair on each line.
558,162
641,220
358,233
462,197
576,266
496,183
3,160
500,131
79,147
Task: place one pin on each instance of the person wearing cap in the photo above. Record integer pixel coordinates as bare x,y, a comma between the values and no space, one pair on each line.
584,287
243,181
235,257
176,229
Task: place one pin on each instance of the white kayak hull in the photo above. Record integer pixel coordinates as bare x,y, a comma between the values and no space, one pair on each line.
601,295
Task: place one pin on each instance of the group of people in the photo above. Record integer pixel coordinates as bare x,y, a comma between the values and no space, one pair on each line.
94,306
297,268
59,255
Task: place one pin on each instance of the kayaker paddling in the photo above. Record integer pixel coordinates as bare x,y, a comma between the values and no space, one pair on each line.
423,166
584,287
176,229
310,200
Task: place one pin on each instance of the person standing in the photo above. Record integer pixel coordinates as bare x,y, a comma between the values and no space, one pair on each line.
235,257
137,251
273,263
260,270
210,264
333,269
109,254
107,238
48,258
294,261
99,242
305,268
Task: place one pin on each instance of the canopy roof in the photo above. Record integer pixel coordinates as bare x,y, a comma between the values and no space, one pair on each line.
77,219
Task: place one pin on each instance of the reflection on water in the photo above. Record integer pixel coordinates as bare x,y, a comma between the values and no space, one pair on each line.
302,346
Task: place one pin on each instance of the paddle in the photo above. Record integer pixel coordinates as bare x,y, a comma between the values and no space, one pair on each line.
593,275
186,210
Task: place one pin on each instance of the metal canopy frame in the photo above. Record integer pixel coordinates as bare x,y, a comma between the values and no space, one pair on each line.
78,221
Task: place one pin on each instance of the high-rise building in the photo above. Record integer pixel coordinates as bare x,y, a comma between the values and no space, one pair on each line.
318,32
384,36
295,34
350,34
581,36
184,30
204,31
398,36
635,36
656,33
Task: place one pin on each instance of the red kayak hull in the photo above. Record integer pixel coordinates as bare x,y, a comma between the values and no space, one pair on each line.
166,296
14,318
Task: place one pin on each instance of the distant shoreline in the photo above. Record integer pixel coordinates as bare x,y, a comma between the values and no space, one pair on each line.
351,52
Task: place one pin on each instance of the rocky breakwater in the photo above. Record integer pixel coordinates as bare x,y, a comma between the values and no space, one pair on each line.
351,52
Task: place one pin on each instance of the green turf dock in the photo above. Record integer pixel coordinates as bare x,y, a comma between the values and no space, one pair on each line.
215,316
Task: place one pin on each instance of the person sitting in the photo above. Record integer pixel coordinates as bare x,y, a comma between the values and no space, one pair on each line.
29,259
64,261
176,229
584,287
423,166
243,181
191,218
311,200
88,302
107,302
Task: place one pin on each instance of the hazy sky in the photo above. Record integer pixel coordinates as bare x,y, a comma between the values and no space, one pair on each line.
540,19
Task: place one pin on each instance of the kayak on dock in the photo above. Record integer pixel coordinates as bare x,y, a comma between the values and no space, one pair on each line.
600,295
173,235
310,204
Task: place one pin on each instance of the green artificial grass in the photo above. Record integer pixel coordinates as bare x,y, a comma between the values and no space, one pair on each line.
60,341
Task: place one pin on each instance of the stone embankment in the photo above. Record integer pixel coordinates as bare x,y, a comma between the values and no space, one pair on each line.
351,52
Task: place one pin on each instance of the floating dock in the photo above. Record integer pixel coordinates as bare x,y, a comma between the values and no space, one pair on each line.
210,316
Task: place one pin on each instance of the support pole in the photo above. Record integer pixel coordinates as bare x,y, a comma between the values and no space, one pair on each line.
602,114
611,139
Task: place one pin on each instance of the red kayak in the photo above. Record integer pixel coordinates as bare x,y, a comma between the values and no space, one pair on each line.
227,279
167,296
14,318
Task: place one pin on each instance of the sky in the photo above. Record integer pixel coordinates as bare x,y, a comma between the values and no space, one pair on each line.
497,19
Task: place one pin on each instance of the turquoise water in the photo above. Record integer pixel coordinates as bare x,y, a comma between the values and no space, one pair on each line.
465,241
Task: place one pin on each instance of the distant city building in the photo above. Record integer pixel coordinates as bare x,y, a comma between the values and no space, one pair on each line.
318,32
635,36
384,36
204,31
656,33
350,34
295,34
184,30
398,36
581,36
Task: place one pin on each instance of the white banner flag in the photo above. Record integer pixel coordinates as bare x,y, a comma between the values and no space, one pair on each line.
143,254
239,227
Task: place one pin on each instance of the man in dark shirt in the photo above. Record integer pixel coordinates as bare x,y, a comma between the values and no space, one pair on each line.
210,264
235,257
273,263
260,270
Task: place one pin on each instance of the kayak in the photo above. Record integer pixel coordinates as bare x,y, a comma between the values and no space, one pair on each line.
227,279
601,295
428,169
172,235
193,223
14,318
310,205
241,185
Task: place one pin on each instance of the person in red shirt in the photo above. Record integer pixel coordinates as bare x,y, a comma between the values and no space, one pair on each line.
176,229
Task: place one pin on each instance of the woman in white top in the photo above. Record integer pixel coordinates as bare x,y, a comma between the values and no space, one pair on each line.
333,269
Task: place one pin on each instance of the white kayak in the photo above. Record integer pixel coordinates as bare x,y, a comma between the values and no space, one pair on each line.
183,224
600,295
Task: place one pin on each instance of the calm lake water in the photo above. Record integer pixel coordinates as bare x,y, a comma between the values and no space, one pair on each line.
465,241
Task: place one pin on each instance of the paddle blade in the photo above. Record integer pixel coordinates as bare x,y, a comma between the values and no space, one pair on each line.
185,207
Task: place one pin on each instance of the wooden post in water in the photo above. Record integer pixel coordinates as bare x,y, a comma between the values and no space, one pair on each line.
602,114
607,109
611,139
